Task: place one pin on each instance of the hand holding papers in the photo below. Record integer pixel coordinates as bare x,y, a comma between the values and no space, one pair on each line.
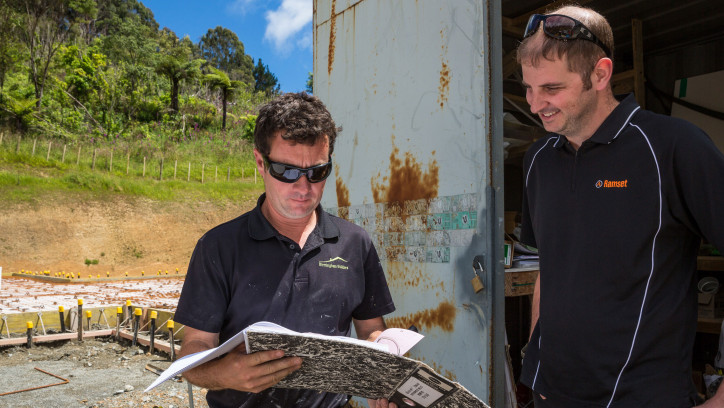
345,365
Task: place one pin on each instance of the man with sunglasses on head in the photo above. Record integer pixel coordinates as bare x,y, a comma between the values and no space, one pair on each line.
617,200
286,261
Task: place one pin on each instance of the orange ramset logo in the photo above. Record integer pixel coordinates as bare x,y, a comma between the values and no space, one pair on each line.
612,184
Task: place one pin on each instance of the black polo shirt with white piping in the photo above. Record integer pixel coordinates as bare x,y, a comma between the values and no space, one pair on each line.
244,271
618,224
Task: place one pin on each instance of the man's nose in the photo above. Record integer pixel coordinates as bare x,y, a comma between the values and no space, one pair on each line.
534,101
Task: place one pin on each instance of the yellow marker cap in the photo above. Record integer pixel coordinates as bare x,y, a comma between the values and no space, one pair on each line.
88,313
128,302
61,309
138,311
169,325
30,325
154,314
119,310
80,302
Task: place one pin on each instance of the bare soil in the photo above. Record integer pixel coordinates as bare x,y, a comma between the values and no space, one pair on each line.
100,373
125,235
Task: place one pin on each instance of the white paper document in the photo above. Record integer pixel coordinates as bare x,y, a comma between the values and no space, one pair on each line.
394,341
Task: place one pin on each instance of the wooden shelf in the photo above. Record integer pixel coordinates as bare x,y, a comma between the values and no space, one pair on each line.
709,325
710,263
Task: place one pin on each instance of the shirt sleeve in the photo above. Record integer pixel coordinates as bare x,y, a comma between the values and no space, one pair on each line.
204,296
377,300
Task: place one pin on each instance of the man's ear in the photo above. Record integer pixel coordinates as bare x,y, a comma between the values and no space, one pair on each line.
602,73
259,159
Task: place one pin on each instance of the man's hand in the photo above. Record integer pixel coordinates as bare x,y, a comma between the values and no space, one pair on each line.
237,370
380,403
257,371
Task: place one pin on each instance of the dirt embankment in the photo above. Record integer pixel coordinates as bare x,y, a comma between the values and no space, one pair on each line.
123,234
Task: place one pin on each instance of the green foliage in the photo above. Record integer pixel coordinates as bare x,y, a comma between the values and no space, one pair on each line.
91,71
19,109
223,50
89,262
310,82
247,132
265,81
200,112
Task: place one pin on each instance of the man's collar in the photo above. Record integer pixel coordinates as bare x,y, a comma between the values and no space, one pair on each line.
614,122
260,228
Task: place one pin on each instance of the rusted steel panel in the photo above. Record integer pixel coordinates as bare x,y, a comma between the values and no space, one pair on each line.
409,83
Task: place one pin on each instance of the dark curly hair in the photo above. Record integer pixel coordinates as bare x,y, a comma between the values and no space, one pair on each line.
301,117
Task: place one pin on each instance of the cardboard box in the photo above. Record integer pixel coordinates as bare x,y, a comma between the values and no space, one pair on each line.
520,283
508,249
711,305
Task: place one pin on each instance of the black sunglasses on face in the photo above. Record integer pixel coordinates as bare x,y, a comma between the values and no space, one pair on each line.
562,28
287,173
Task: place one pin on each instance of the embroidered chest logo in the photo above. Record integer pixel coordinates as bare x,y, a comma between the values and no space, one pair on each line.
334,263
612,184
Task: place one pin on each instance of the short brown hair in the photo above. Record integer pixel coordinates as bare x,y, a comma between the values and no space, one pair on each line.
301,117
582,55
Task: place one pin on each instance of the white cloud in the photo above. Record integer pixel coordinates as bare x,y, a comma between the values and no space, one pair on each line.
241,7
290,20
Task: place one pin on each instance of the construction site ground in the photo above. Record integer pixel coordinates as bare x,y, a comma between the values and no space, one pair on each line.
100,372
131,240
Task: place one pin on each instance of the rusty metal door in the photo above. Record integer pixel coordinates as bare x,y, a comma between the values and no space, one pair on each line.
416,87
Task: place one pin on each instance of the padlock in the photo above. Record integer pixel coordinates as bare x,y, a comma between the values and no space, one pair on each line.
477,284
477,267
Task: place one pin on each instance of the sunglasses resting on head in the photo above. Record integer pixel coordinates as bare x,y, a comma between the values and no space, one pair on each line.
287,173
562,28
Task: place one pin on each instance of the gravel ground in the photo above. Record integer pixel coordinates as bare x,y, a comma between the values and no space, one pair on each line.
100,373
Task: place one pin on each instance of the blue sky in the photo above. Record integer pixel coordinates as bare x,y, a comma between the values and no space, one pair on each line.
277,31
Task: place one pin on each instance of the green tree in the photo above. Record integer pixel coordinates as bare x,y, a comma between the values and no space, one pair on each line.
310,82
223,50
43,28
218,79
112,14
264,80
9,48
176,64
132,49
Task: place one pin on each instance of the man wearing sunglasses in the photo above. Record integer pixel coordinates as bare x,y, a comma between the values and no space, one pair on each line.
286,261
617,200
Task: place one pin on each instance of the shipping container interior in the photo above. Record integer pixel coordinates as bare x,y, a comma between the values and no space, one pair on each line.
658,43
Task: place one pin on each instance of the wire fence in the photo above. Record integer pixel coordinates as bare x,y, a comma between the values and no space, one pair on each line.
127,161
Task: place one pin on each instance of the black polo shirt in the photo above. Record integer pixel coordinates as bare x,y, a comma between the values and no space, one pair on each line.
244,271
618,224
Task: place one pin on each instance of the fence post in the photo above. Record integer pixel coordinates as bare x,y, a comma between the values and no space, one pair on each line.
242,173
63,159
47,157
34,142
160,172
144,166
110,163
1,137
188,177
128,162
95,152
175,164
203,165
216,174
